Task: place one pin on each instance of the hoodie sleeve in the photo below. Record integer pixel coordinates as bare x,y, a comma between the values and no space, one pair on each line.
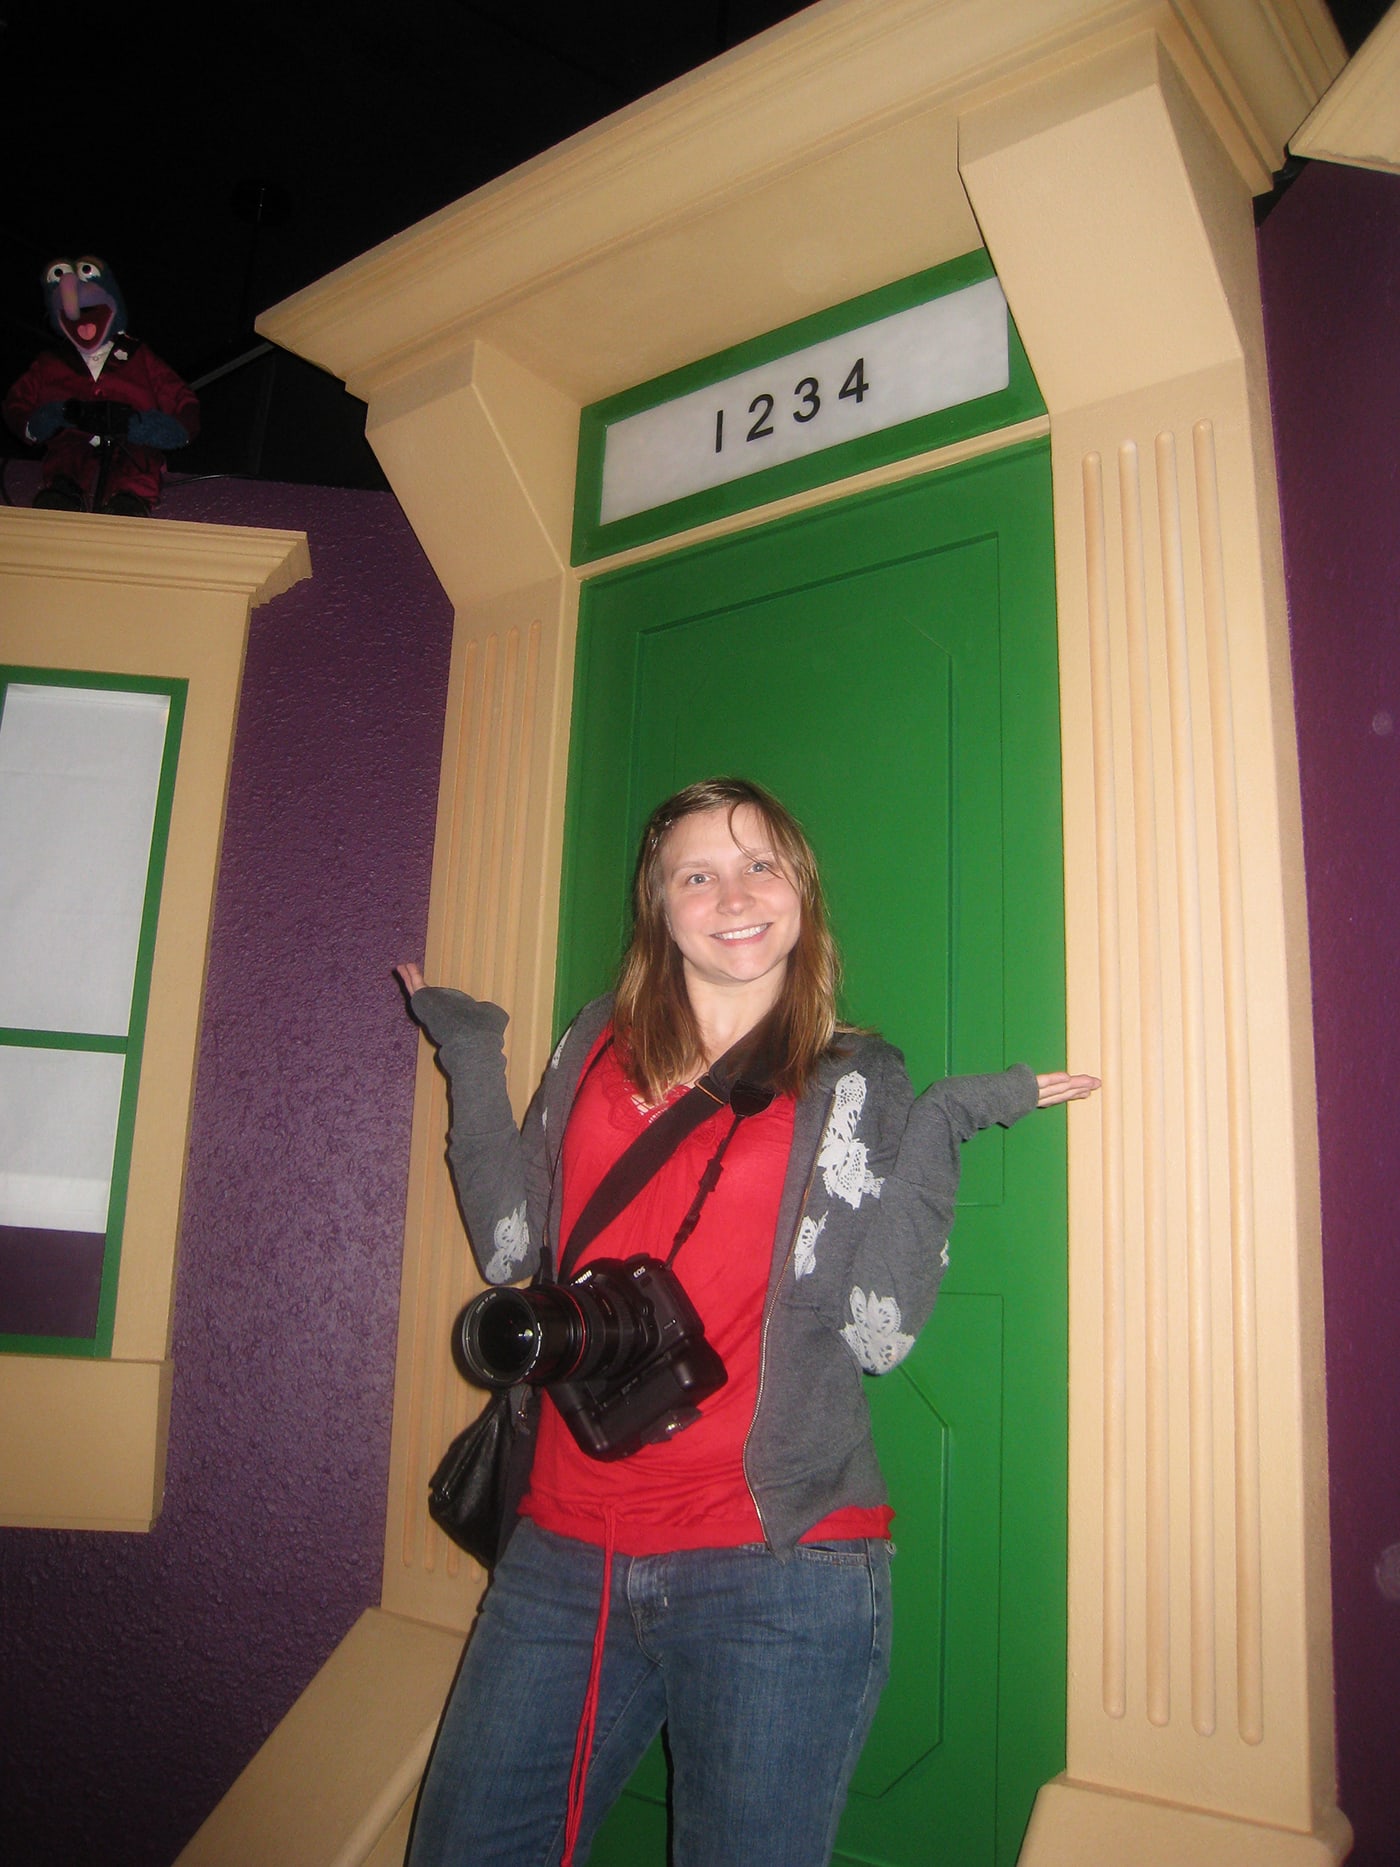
487,1154
909,1169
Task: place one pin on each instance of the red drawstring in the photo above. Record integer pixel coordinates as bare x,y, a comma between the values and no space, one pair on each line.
583,1743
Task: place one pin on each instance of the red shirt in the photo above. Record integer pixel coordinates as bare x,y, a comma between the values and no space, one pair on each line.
689,1492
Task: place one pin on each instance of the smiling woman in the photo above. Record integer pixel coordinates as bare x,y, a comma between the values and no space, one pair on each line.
753,1526
730,924
733,914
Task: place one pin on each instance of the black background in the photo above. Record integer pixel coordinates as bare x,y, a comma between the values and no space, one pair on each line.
221,158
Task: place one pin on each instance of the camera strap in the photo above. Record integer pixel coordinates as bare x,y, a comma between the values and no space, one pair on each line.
709,1180
738,1080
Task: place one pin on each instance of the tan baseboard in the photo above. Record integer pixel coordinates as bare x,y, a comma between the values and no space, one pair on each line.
1079,1825
335,1783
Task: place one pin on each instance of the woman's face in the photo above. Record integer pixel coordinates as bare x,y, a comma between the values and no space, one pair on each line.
732,912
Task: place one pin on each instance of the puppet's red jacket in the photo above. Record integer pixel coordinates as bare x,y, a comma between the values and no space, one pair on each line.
133,373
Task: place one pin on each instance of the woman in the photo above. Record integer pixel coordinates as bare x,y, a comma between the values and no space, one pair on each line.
731,1582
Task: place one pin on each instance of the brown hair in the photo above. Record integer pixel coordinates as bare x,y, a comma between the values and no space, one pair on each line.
657,1034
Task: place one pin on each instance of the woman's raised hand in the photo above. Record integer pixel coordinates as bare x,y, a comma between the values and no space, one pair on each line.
411,973
1059,1086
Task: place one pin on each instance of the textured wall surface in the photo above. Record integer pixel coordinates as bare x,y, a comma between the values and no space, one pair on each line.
138,1674
1330,257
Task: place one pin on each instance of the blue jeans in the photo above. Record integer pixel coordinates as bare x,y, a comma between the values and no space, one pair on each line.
766,1674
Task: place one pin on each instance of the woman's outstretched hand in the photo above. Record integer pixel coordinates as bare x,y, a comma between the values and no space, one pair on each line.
1060,1086
1054,1086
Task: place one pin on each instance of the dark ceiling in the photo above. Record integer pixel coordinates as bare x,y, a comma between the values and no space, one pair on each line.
221,158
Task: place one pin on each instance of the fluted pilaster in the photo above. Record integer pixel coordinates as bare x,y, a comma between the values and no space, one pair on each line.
496,860
1198,1558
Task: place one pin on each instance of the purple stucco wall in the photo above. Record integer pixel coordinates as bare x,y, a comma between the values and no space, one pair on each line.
1330,260
140,1673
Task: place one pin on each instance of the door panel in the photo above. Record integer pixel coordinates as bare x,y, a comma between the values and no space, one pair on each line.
886,665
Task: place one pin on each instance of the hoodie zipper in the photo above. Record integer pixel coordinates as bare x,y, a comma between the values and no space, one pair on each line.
772,1304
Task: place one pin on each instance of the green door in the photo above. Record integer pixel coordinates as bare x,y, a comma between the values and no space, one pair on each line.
887,666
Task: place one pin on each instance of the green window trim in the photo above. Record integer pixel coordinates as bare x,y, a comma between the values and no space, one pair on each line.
130,1046
1021,400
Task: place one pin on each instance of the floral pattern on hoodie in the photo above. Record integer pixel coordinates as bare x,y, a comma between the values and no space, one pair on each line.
873,1334
842,1158
512,1241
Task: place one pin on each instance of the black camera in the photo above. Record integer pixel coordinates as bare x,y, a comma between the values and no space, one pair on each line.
619,1347
109,421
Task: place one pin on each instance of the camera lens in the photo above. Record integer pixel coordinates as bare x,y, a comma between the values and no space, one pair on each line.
521,1335
598,1324
500,1338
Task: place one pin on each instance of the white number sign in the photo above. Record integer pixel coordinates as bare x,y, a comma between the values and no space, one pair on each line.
915,362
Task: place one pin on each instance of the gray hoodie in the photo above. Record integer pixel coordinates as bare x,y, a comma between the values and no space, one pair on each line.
858,1254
